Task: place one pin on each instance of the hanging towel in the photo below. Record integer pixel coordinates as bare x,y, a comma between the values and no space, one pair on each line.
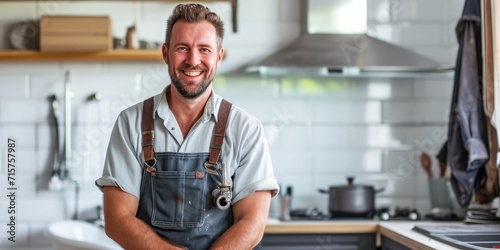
467,134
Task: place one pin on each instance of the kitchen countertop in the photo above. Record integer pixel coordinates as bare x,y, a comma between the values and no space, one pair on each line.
276,226
402,233
399,231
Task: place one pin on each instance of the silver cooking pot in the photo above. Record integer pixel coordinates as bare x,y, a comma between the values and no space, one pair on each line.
351,200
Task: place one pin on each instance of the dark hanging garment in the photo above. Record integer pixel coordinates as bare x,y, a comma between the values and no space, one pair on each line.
467,135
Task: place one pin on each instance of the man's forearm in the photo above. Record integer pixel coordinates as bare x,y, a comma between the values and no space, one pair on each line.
242,235
123,227
250,218
132,233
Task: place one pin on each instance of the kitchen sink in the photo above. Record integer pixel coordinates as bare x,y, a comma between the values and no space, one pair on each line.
464,236
79,235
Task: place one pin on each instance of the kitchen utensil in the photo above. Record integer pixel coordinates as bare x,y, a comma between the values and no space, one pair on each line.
351,200
55,182
442,169
425,162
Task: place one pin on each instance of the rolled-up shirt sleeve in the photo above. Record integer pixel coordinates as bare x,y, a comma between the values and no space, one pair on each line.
122,167
254,171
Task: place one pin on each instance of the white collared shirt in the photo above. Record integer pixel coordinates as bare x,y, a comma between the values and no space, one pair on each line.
245,151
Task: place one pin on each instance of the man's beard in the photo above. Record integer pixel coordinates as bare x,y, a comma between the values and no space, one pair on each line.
186,93
193,94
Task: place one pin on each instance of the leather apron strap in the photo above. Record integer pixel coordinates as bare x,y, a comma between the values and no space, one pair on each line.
148,134
219,132
217,136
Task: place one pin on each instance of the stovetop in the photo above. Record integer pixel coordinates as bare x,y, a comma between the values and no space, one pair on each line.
398,213
315,215
386,214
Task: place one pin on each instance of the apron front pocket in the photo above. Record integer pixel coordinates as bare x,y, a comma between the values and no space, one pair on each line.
178,200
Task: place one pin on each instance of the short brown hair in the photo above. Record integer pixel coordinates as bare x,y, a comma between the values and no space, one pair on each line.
193,13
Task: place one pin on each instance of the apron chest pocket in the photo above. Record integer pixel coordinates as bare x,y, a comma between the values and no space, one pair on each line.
178,200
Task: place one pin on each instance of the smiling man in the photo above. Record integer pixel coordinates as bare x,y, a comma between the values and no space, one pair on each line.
186,169
193,56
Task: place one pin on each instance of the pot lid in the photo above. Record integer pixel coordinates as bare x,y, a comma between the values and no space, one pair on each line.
351,185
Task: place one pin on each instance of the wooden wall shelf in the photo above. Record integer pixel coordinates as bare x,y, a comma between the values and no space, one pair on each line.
113,55
234,6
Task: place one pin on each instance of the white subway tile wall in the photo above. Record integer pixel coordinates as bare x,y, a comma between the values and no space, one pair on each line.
320,130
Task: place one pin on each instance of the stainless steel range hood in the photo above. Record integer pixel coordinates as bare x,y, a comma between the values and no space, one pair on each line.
334,41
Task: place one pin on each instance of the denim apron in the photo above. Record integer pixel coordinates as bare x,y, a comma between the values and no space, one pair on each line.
176,200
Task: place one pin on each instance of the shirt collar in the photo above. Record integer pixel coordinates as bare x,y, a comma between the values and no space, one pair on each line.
161,105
